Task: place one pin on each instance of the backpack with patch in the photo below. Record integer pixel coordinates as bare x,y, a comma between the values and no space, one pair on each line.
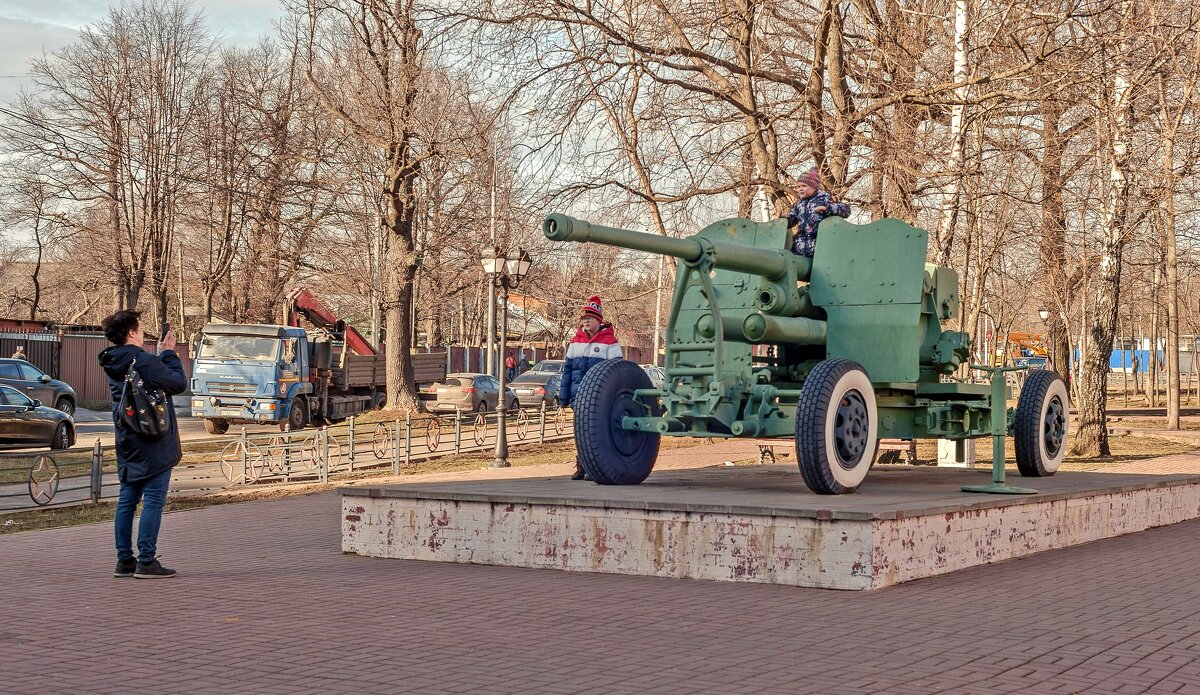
143,408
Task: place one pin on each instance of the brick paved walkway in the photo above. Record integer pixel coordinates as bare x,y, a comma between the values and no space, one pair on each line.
266,603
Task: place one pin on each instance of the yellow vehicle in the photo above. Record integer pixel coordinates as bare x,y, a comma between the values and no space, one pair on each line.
1024,348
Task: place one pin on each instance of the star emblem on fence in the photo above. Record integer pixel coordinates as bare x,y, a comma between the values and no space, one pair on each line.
43,480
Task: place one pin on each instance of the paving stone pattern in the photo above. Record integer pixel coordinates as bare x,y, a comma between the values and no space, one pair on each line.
266,603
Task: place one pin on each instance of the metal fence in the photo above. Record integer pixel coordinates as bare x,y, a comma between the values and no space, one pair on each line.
350,448
41,481
290,457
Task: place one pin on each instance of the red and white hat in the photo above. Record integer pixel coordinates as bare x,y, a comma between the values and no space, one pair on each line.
812,177
592,308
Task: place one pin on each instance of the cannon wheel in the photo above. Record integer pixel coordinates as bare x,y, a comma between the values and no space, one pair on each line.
836,427
609,454
1040,424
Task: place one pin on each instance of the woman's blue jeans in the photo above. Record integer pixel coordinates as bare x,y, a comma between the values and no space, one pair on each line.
153,494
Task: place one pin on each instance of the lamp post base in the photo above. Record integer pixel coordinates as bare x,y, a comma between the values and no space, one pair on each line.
500,463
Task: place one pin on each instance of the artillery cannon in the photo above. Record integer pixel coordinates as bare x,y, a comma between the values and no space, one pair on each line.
853,351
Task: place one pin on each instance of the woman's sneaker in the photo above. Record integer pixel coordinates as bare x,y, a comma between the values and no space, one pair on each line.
152,570
125,568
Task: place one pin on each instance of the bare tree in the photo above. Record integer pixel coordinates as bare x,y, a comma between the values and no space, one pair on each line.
364,61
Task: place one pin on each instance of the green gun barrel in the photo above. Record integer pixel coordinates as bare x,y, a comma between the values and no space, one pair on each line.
761,328
772,264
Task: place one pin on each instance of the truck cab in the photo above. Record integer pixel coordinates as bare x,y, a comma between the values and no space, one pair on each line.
252,374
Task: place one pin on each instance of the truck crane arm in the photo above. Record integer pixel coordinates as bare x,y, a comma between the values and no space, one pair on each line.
303,302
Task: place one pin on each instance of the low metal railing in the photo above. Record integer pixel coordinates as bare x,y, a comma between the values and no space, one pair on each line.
43,481
346,449
302,456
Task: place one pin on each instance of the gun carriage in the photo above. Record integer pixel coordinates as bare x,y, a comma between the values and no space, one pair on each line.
857,352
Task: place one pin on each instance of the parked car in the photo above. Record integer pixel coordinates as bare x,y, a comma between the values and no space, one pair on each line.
25,422
37,384
657,374
467,392
535,388
546,367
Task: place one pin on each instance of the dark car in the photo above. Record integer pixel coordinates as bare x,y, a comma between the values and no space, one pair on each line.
547,367
37,384
25,422
535,388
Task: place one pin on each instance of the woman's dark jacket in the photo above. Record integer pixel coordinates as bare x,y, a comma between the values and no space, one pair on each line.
140,458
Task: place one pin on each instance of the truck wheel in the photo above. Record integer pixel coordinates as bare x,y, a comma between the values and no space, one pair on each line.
215,426
297,416
836,427
379,400
609,454
1040,424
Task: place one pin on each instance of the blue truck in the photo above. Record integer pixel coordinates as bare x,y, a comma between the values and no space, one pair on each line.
268,374
265,373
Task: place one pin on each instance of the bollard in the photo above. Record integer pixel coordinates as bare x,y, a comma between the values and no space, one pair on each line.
457,431
408,439
243,449
542,426
324,454
287,452
97,481
351,443
396,450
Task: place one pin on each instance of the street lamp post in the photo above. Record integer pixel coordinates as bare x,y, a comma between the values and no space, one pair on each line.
508,271
1051,352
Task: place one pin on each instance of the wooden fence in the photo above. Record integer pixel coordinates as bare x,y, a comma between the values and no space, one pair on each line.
71,357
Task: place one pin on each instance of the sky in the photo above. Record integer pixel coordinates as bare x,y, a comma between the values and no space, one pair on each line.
29,27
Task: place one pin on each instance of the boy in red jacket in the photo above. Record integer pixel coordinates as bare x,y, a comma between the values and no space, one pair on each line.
594,342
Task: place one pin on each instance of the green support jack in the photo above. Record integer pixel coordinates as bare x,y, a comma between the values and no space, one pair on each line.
999,430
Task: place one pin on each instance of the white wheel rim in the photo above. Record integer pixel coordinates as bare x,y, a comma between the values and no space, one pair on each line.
1051,463
853,381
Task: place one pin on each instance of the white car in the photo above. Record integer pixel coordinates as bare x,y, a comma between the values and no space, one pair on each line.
657,374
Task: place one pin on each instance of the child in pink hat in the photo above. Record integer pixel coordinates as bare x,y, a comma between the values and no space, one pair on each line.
812,206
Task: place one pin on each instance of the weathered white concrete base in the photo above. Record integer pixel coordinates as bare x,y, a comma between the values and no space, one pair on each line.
672,525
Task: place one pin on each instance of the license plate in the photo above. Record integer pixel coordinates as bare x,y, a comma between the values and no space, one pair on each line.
524,392
233,413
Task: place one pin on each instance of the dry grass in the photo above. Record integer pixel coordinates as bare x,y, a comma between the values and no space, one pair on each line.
74,515
1152,423
1124,449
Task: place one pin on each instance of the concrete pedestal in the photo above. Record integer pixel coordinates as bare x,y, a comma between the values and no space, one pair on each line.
757,524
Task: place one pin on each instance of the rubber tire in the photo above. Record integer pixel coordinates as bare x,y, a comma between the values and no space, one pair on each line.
1044,395
609,454
297,416
62,437
514,405
816,450
481,406
379,400
65,405
216,426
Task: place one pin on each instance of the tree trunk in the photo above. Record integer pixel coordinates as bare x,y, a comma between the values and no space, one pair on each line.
398,297
1091,438
1052,244
1171,244
1152,355
950,199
